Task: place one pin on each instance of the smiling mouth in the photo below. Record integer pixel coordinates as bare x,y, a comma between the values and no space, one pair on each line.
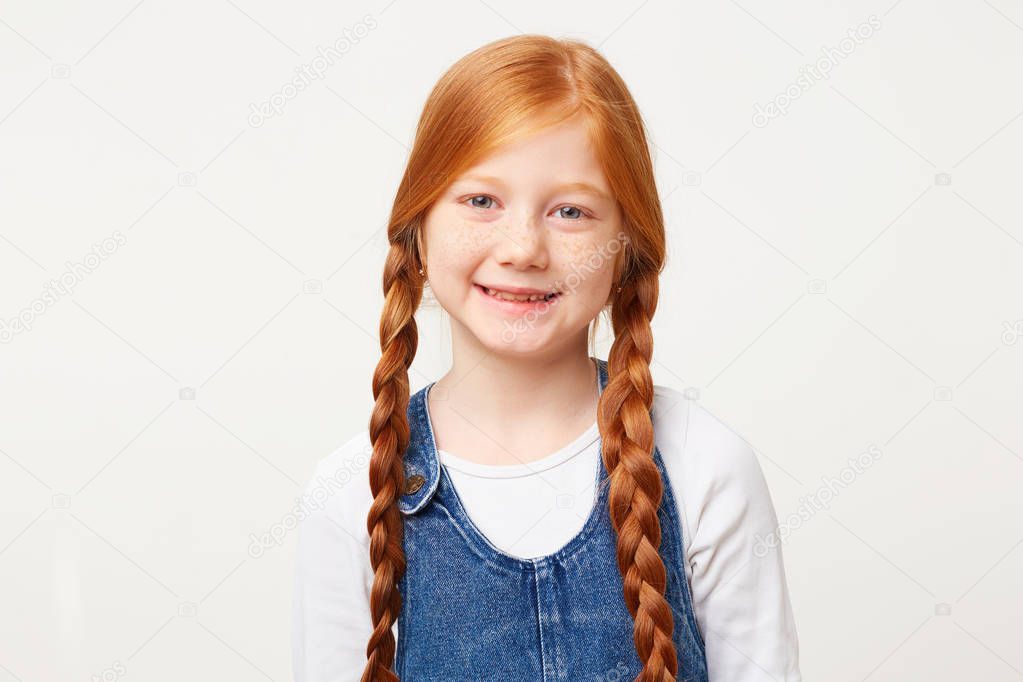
517,298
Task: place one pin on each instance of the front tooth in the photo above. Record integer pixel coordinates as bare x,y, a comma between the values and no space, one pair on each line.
509,297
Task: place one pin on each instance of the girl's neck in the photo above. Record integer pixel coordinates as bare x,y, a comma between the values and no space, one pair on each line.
498,409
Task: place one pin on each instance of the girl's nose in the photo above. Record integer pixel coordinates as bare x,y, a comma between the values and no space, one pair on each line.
521,243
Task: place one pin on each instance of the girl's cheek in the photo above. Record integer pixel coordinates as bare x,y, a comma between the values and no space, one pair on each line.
459,241
583,254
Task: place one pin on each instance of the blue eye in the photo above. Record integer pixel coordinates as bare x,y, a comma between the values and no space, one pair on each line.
572,208
480,196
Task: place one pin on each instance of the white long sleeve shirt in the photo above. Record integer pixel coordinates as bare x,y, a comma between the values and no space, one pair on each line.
740,596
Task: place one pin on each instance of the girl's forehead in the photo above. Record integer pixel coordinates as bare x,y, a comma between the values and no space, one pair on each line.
552,163
569,138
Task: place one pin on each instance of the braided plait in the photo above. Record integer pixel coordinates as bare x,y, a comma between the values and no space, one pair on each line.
389,433
627,434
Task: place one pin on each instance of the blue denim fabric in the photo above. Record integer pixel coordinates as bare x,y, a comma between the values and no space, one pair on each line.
471,612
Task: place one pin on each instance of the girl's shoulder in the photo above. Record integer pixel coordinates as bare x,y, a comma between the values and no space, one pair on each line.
714,474
699,446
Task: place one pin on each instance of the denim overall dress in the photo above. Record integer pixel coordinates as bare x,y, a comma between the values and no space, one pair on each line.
471,612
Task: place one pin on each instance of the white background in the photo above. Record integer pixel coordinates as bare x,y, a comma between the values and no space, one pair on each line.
849,275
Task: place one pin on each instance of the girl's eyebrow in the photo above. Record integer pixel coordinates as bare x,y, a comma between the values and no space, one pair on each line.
583,187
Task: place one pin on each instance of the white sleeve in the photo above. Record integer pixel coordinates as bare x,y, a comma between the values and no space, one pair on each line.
740,595
332,577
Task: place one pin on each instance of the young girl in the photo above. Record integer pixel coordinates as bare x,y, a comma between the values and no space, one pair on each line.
536,513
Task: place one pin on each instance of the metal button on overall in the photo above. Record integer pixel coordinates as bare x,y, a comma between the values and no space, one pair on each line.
413,483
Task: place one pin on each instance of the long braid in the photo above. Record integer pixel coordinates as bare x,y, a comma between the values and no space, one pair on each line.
627,435
389,432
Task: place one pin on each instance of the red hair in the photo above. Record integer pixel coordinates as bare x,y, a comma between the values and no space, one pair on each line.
503,91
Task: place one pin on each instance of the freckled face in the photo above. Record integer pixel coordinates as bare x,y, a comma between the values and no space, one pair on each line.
537,214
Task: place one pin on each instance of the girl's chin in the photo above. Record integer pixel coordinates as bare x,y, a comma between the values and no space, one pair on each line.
512,336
